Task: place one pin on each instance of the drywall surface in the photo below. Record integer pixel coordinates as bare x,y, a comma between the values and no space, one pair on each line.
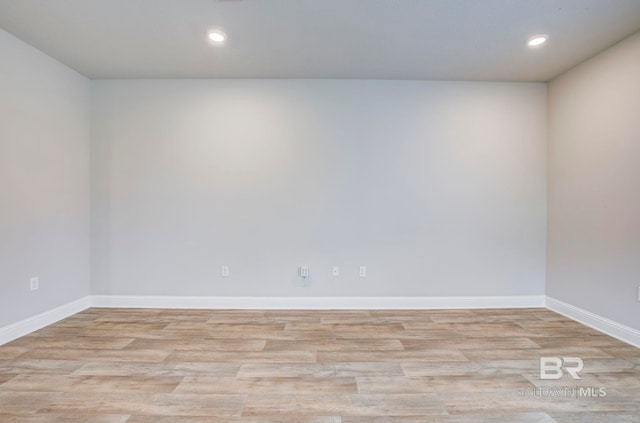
44,182
594,185
439,188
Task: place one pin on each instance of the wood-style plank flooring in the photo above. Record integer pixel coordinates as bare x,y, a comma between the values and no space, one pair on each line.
179,366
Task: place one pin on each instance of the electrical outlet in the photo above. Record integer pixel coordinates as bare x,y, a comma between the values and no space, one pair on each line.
304,272
335,271
363,272
34,283
224,271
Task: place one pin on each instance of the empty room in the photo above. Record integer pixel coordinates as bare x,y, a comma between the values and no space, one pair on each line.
320,211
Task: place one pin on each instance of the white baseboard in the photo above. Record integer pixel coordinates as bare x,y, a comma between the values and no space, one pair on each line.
599,323
15,330
24,327
317,303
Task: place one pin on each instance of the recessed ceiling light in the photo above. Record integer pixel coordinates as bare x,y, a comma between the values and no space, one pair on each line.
216,37
537,40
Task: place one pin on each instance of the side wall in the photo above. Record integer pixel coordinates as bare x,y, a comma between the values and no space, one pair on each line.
594,185
439,188
44,182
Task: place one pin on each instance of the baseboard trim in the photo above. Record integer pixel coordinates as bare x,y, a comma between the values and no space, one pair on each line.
609,327
316,303
31,324
24,327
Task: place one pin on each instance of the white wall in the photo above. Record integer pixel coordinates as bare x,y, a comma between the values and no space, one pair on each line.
594,185
44,181
438,187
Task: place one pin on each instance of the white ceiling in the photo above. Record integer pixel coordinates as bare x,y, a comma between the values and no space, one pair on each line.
380,39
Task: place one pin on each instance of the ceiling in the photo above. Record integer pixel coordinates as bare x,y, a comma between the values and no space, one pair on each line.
377,39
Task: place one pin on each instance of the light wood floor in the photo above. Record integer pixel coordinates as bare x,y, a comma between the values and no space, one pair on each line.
178,366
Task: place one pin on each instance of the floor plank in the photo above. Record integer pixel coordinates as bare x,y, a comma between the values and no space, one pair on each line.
329,366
